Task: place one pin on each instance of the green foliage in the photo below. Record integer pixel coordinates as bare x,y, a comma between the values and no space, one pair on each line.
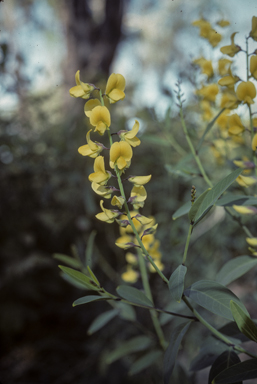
176,283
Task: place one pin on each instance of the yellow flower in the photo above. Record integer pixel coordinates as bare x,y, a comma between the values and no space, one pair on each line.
120,155
245,210
100,118
81,89
118,200
229,100
223,66
222,120
115,88
204,25
107,215
207,113
100,176
90,104
124,242
208,92
252,241
229,80
253,32
131,258
214,37
223,23
91,149
253,66
254,142
235,125
138,196
246,181
246,92
130,136
245,163
130,276
206,66
102,190
231,50
139,180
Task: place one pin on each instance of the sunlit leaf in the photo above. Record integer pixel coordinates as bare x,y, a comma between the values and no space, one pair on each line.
225,360
176,282
172,350
213,296
183,210
101,320
134,295
244,322
235,268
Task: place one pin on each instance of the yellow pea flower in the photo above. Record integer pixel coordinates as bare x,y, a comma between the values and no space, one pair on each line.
254,142
214,38
229,100
253,32
91,149
102,190
139,180
229,80
107,215
223,66
253,66
205,65
100,118
207,113
252,241
130,136
130,276
115,88
246,92
231,50
222,120
245,163
124,242
208,92
90,104
223,23
246,181
118,201
245,210
81,89
100,175
204,25
131,258
138,196
120,155
235,125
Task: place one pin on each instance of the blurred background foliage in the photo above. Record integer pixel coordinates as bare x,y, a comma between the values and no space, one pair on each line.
47,205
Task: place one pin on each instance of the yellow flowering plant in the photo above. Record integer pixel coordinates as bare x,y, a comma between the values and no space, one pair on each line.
222,96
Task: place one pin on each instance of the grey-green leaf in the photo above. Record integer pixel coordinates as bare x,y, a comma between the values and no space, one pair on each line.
67,260
195,207
144,362
213,296
235,268
225,360
242,371
101,320
172,350
183,210
244,322
79,276
89,299
138,343
213,195
176,283
134,296
229,200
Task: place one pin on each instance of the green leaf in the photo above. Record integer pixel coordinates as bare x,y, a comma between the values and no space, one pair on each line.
225,360
89,299
229,200
244,322
213,195
67,260
144,362
195,207
138,343
101,320
183,210
134,296
235,268
94,278
214,297
126,311
242,371
89,249
79,277
176,282
208,128
186,173
172,350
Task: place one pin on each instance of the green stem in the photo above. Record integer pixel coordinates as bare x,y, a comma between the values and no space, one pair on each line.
214,331
187,243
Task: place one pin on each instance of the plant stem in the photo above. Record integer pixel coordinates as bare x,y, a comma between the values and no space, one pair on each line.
215,332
